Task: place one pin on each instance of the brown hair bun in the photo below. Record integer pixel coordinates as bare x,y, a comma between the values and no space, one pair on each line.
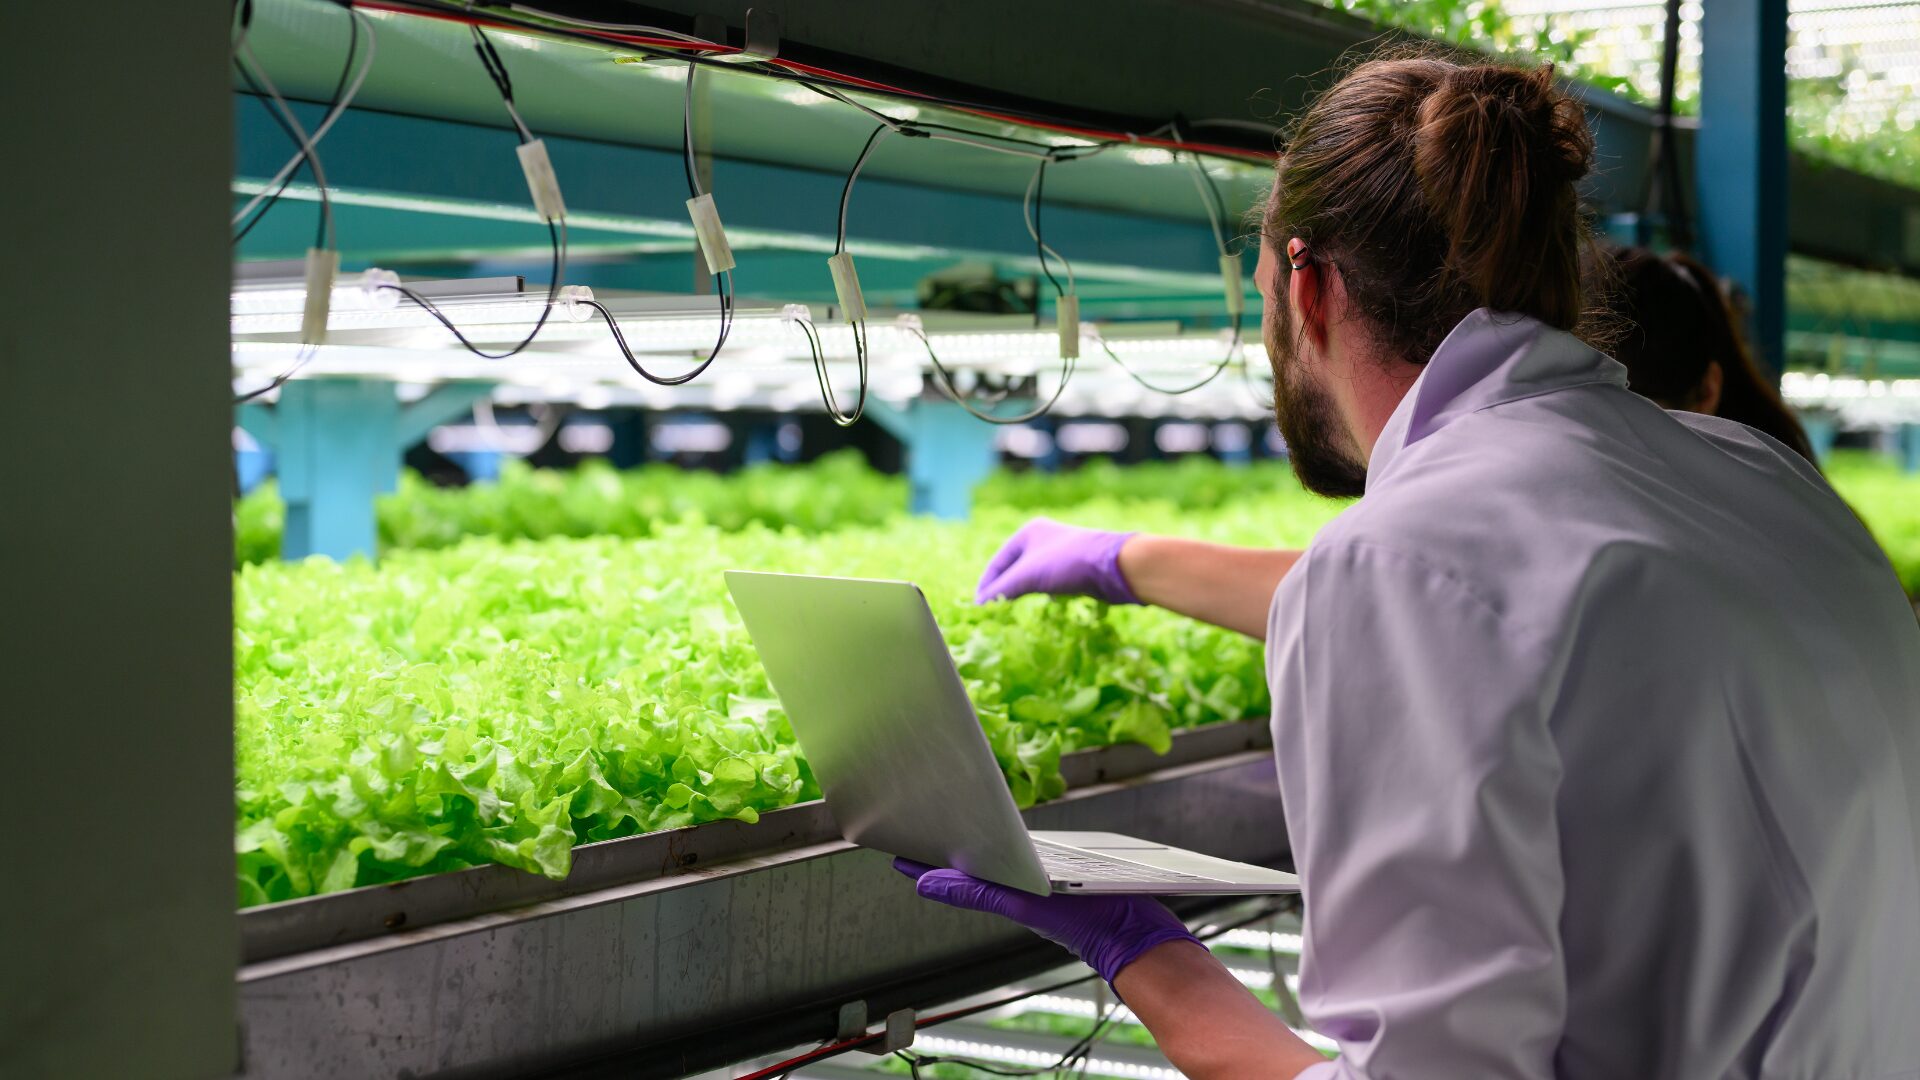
1438,185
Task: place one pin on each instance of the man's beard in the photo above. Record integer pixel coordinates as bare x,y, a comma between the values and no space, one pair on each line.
1308,420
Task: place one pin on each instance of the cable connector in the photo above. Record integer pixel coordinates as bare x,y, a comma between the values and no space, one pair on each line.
1236,292
575,302
713,238
846,285
540,180
322,265
1067,317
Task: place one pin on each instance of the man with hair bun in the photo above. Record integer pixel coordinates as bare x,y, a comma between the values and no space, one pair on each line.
1597,726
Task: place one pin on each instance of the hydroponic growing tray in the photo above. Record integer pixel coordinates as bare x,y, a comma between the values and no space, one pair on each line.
671,952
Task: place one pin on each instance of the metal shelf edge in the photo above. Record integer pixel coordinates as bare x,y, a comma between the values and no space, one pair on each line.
316,929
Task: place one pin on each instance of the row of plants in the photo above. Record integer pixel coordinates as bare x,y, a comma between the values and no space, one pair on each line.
500,701
840,491
595,499
503,699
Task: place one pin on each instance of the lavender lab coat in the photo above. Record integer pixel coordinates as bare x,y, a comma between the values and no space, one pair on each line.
1598,732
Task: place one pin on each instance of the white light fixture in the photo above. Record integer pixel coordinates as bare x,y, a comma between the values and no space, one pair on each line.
351,292
1023,441
942,1045
1091,438
380,310
1181,438
586,438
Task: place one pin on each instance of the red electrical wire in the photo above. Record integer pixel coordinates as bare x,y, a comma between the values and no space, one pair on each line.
617,37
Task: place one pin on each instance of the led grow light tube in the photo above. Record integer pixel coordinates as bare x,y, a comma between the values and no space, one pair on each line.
351,292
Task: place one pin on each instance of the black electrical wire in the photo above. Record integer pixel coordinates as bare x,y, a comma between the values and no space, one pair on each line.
333,102
557,232
1079,1051
846,191
726,328
1039,246
944,379
496,70
725,286
686,133
832,1049
827,395
1073,1055
304,146
279,380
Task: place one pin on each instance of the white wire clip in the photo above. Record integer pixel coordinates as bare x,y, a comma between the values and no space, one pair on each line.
574,302
713,238
540,180
897,1035
1067,318
762,39
846,285
1236,292
322,265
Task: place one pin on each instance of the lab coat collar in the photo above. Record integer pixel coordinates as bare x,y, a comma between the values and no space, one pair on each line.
1489,359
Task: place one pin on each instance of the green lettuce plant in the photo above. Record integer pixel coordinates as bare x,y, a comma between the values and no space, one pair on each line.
502,701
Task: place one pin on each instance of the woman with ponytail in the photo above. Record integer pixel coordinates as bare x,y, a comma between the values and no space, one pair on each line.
1681,342
1597,726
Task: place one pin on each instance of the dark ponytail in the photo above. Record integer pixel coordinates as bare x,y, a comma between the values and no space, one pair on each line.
1675,320
1438,186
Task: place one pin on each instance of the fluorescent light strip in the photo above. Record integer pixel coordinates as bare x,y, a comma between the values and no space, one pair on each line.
1799,386
1058,1005
1261,940
492,312
351,292
941,1045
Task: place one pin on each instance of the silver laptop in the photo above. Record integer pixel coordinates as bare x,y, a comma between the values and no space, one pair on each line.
873,696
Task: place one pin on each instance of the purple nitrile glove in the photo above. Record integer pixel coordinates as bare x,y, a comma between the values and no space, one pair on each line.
1046,556
1106,932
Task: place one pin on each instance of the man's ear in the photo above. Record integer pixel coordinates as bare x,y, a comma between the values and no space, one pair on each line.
1308,293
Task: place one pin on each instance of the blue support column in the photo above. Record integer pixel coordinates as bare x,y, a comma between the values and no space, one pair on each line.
1741,160
338,444
1910,447
481,466
336,454
948,453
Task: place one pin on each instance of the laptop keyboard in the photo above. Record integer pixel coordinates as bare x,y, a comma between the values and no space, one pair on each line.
1067,864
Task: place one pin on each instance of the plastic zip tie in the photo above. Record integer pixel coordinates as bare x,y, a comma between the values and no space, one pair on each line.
322,266
540,180
846,285
1230,278
1067,317
713,238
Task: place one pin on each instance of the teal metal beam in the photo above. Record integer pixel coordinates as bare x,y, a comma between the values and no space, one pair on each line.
632,194
446,402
